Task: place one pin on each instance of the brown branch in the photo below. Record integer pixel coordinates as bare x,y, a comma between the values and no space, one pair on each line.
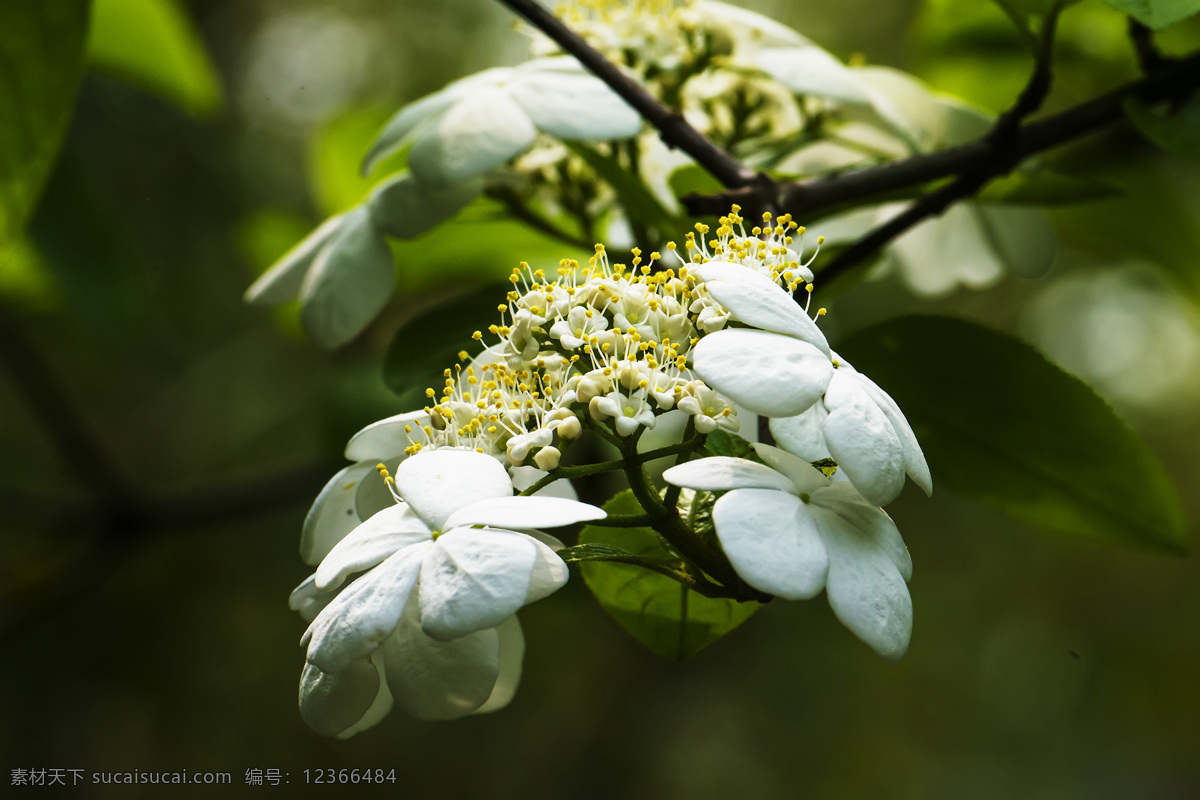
806,198
1003,139
674,129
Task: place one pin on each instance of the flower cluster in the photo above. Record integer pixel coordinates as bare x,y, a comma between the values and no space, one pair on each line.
545,138
423,555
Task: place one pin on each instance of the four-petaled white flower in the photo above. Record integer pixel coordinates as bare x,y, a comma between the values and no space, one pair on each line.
435,587
786,370
790,531
479,122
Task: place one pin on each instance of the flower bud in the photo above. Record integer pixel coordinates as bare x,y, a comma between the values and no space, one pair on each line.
547,458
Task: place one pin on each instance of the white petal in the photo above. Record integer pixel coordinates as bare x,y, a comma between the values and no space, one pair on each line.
866,590
282,281
914,459
435,680
365,613
862,440
749,28
332,515
474,579
436,483
384,439
942,253
771,542
308,599
349,283
758,301
1024,238
802,434
804,476
524,512
769,374
373,494
405,208
330,703
477,134
427,109
719,473
524,477
392,529
571,104
842,499
550,572
812,71
512,654
381,706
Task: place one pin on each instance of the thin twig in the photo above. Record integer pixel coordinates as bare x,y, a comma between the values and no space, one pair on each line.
808,198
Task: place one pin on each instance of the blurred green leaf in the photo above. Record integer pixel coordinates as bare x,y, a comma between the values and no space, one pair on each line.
41,59
155,45
429,343
1002,425
97,269
1153,221
1046,188
1177,132
25,279
669,619
693,179
1157,14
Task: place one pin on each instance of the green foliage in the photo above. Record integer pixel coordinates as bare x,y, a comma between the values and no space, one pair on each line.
155,45
41,59
1046,188
669,619
1177,132
1157,14
1152,221
693,179
1002,425
429,343
723,443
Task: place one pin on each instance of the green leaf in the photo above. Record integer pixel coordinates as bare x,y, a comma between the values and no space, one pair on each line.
41,59
429,343
693,179
1178,132
591,552
155,45
1002,425
1046,188
669,619
1157,14
723,443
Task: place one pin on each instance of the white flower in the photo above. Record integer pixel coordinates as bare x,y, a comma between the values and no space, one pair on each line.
579,324
628,411
779,371
478,123
711,411
790,531
431,680
471,578
430,621
788,371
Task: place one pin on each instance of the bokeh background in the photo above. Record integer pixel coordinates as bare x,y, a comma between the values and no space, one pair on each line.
1040,666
